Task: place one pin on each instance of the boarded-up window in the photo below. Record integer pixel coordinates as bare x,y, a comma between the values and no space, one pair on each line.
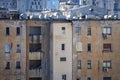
79,46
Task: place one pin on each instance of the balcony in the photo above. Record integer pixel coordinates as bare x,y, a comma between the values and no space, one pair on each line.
35,55
35,73
35,38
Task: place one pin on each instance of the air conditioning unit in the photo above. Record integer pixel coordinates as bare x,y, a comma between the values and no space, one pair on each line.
105,36
105,69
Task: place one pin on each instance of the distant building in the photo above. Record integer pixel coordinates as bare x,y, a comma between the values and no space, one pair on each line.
52,4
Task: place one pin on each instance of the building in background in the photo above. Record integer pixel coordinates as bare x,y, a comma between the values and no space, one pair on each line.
52,5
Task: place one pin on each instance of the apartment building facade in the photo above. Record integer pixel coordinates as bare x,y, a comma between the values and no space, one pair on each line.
38,50
59,50
96,50
12,50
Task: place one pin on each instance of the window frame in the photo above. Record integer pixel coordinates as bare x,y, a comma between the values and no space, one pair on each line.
63,59
108,30
89,31
18,49
18,66
63,29
18,31
79,64
89,64
7,31
89,47
64,77
7,65
105,64
63,47
107,47
7,48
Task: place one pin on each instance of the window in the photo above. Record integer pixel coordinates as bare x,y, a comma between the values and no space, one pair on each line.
17,31
107,64
107,47
62,46
78,30
64,77
89,78
89,47
107,78
63,30
79,66
107,30
18,65
38,3
7,48
89,31
32,3
18,50
78,78
63,59
7,65
89,64
7,31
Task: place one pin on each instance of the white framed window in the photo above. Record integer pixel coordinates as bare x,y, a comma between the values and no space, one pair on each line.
107,64
107,30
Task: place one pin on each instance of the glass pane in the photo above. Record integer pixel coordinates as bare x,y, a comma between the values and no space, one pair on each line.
109,30
104,64
104,30
7,48
108,64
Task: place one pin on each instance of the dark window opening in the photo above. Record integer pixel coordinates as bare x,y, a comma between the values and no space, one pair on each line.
63,47
18,65
7,31
63,59
89,47
7,66
17,31
107,78
64,77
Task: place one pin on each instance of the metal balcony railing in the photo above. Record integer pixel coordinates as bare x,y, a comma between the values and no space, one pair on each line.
35,38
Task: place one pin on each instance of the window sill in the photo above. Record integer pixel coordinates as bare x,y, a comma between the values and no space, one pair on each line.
104,51
7,52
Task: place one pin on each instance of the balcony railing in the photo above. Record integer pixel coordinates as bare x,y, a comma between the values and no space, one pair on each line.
35,55
35,38
36,72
